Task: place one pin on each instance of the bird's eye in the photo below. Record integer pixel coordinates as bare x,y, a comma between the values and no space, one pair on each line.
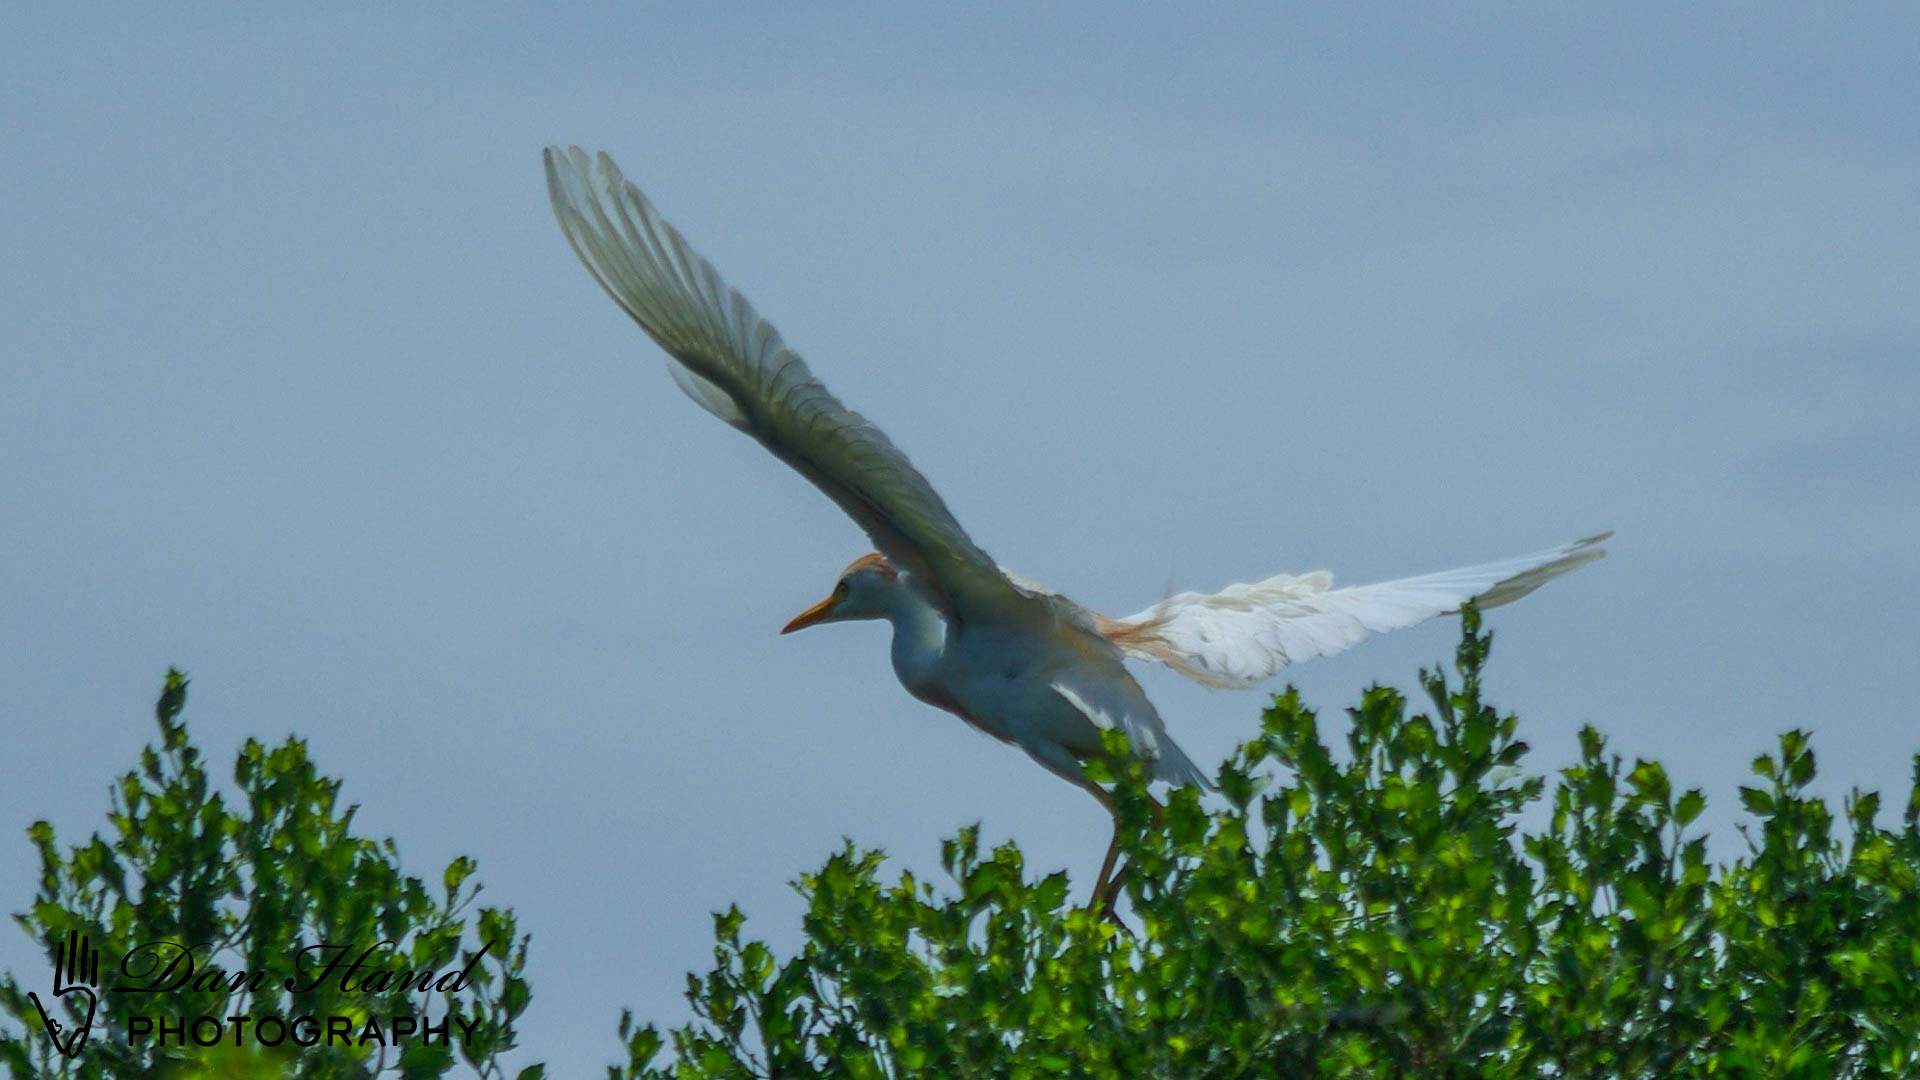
840,589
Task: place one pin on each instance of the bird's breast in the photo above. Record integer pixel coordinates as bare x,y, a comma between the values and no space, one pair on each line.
1002,684
964,675
919,655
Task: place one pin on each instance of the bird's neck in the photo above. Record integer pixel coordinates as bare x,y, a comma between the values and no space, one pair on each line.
919,634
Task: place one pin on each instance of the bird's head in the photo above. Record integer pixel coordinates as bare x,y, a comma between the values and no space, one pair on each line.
865,591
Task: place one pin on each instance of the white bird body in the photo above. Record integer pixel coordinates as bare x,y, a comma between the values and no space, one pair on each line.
1010,657
1048,689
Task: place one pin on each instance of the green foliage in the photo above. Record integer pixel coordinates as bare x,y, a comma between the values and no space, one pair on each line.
254,879
1381,912
1408,905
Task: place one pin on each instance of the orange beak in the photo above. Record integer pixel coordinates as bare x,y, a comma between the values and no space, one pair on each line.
814,614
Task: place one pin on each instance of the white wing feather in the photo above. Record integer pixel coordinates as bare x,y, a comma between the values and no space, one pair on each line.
734,363
1246,633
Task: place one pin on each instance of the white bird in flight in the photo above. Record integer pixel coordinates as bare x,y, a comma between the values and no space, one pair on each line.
1012,658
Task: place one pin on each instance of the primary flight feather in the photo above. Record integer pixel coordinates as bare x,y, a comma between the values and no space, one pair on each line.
1011,658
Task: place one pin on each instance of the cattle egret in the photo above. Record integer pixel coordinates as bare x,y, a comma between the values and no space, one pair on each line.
1013,659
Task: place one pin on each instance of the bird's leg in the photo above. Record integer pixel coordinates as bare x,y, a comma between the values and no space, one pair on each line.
1110,899
1106,869
1117,883
1097,897
1106,889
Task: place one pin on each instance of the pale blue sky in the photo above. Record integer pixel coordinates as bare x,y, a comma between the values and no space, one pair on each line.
305,394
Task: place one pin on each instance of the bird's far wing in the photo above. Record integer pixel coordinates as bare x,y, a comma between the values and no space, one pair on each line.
733,362
1246,633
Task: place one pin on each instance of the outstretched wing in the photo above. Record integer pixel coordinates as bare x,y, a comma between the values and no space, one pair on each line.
1246,633
732,361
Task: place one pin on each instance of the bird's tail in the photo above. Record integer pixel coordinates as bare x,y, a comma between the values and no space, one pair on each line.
1176,768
